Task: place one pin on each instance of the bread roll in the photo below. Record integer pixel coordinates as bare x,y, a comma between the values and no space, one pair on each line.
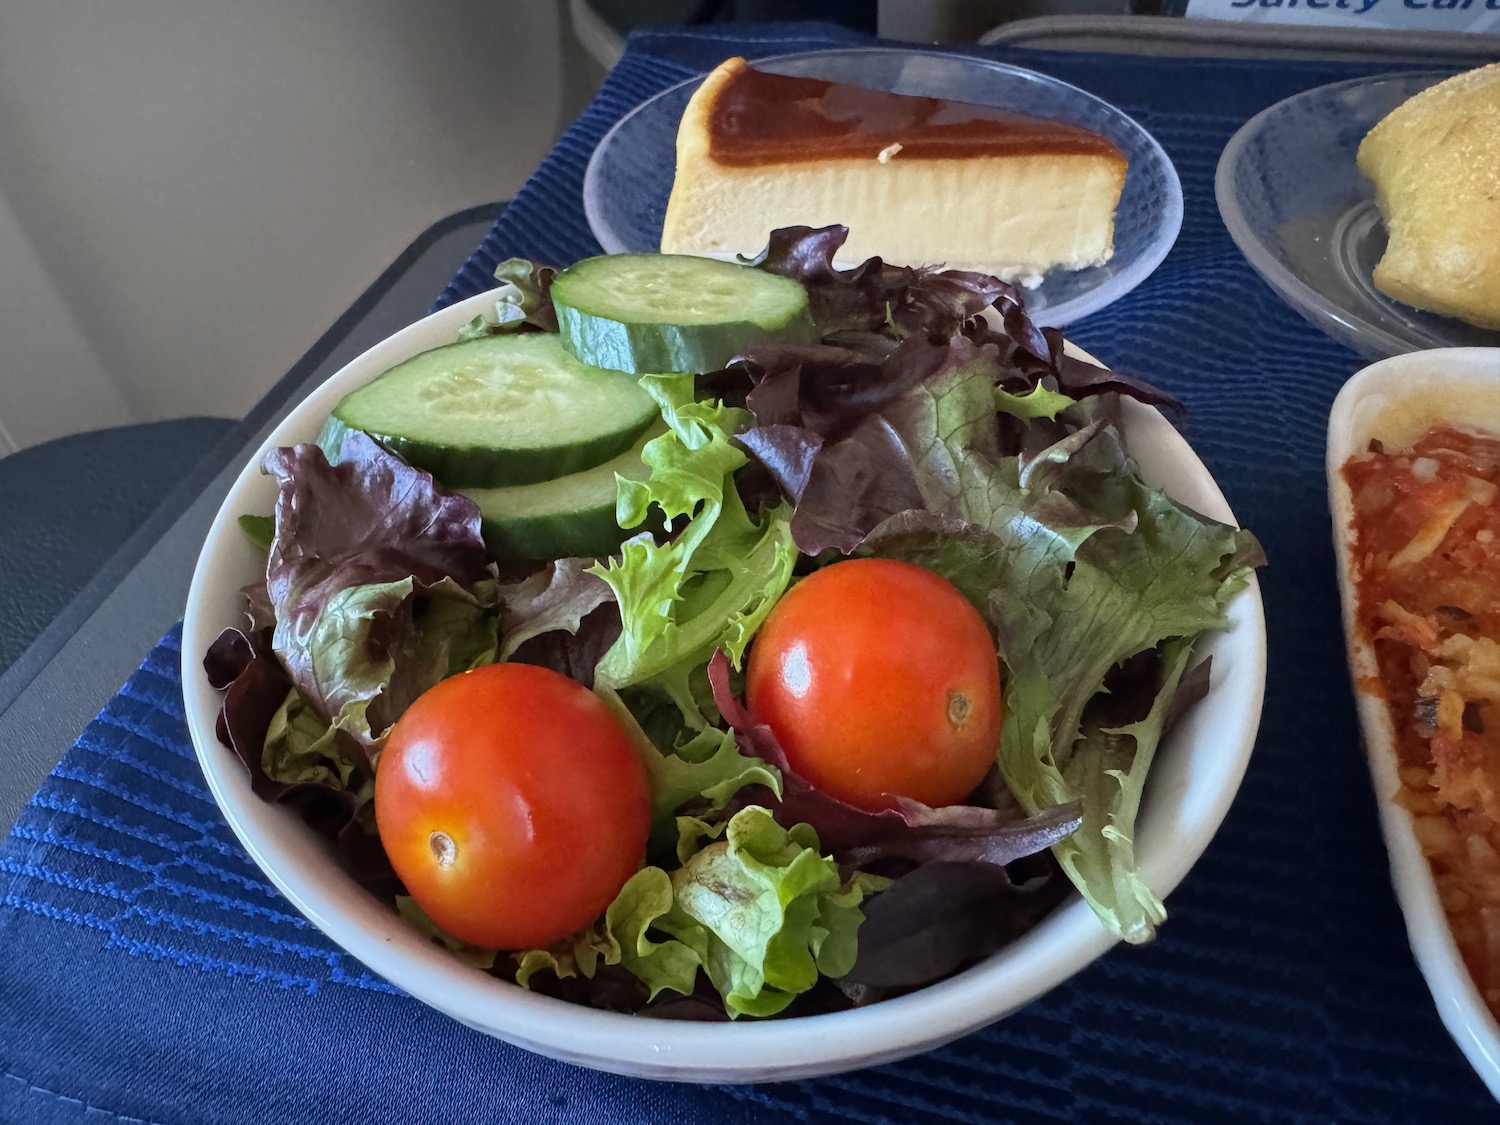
1435,163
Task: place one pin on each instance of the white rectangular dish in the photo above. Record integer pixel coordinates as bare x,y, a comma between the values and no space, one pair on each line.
1395,401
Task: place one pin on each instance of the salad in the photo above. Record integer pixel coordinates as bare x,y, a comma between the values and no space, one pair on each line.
715,640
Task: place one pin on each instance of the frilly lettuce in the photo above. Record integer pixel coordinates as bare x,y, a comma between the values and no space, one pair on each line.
556,598
621,938
759,910
1079,566
766,913
711,584
1151,576
289,752
301,747
522,301
706,771
875,296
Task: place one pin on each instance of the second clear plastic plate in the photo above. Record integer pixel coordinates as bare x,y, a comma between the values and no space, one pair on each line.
1305,218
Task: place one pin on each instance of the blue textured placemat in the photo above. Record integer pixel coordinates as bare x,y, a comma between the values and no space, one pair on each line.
148,972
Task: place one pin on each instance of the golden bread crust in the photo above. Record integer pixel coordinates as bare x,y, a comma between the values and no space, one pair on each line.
1435,164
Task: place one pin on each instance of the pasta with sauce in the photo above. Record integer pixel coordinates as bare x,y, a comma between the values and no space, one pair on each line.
1427,556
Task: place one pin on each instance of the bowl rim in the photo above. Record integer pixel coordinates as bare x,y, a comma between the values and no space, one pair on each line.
1411,375
1061,314
1329,316
1061,945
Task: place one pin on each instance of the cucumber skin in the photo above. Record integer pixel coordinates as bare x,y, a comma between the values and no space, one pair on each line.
589,530
467,467
587,533
647,348
542,537
580,533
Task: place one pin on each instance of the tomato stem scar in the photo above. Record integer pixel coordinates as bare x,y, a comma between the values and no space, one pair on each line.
958,708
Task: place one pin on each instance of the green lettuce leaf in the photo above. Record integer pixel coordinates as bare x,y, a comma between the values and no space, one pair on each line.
1079,566
260,530
706,771
766,912
578,955
693,832
1107,767
301,747
1039,402
666,964
1147,571
711,766
349,654
621,939
946,422
714,582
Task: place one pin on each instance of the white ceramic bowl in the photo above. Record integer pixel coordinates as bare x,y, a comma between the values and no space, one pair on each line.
1195,776
1396,401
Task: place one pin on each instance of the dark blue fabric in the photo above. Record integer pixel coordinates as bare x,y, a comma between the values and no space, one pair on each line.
66,507
150,973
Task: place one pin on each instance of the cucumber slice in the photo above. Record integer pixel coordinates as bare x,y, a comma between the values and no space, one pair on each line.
497,410
571,515
674,312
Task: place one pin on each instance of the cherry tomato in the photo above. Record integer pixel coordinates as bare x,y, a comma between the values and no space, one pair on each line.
880,680
512,804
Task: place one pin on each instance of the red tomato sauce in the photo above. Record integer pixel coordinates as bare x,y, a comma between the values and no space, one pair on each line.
1427,557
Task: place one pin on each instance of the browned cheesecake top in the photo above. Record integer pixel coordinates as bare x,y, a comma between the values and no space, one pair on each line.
763,118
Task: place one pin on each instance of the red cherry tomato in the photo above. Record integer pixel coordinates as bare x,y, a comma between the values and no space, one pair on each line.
880,680
512,804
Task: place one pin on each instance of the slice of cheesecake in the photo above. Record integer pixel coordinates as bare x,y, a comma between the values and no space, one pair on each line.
918,181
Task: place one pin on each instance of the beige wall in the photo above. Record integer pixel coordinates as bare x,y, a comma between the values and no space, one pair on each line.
206,186
51,382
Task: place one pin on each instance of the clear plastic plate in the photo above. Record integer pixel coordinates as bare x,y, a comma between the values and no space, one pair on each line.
1305,218
629,176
